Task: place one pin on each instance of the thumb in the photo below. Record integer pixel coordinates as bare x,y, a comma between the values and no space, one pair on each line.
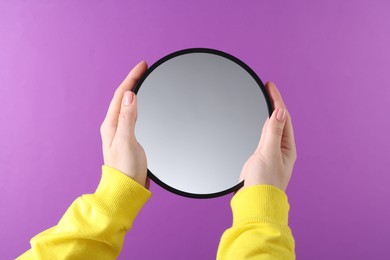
127,117
274,131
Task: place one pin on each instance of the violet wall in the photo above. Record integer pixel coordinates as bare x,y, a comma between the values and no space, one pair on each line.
60,62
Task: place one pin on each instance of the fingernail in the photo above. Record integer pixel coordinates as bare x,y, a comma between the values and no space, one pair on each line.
142,61
128,98
281,113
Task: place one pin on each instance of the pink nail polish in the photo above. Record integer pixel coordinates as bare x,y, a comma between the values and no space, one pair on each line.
128,98
281,113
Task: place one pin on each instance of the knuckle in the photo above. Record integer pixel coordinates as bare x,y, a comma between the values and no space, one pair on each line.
123,116
117,92
133,79
102,128
278,131
295,156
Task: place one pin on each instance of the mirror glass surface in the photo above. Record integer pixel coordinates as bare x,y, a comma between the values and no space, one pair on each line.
200,116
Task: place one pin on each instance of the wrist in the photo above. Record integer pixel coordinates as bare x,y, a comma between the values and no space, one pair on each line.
265,180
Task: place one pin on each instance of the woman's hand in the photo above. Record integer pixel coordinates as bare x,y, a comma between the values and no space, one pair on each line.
120,147
273,161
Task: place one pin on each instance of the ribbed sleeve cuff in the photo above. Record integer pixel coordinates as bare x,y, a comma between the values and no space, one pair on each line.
119,196
260,204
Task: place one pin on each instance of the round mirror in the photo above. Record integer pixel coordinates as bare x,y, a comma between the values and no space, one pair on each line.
200,116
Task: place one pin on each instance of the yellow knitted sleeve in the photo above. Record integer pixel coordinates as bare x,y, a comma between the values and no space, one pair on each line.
94,226
260,226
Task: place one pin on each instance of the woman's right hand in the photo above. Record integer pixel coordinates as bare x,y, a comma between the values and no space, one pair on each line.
273,161
121,149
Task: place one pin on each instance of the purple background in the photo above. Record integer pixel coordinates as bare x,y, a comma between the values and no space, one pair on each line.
60,62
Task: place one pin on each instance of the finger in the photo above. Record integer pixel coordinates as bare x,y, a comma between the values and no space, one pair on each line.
127,116
276,98
277,101
288,141
128,84
274,131
110,122
288,146
263,134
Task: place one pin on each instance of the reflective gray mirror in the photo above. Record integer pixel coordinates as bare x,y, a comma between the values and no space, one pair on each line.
200,116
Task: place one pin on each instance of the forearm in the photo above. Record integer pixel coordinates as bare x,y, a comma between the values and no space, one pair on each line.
260,226
95,225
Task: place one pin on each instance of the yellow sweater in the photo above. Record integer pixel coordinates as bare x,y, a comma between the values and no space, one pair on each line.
95,225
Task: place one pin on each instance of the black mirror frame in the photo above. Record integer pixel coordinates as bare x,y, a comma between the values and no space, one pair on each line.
219,53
